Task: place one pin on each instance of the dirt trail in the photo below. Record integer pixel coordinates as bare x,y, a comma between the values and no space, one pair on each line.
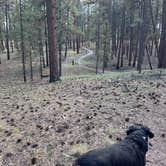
89,53
81,59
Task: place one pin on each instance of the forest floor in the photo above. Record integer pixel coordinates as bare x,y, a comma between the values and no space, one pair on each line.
51,124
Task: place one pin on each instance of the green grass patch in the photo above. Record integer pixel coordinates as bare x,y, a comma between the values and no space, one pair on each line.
120,74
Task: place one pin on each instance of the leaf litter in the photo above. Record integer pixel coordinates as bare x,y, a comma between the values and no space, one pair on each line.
47,125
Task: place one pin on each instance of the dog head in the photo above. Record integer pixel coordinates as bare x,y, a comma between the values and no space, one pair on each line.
139,127
140,134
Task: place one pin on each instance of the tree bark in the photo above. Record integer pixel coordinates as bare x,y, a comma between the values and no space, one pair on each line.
142,35
53,57
22,42
41,52
98,39
154,27
30,57
46,39
131,31
162,47
114,31
78,44
7,29
2,47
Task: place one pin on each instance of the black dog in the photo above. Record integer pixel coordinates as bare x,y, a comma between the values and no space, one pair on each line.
129,152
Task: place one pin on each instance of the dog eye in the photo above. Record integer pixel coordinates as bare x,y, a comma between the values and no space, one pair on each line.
145,138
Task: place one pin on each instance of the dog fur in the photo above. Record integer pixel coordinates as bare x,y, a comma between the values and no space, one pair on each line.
129,152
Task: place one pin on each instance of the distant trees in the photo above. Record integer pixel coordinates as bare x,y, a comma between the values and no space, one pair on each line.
124,33
133,33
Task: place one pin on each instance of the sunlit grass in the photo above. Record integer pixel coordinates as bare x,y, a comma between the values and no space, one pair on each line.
126,74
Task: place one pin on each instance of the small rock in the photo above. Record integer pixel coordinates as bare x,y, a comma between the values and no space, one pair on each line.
34,145
127,119
62,128
95,114
33,161
28,143
18,141
8,133
118,139
88,128
9,154
163,135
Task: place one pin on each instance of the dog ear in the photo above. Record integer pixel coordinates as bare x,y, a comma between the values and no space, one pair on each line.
130,130
149,133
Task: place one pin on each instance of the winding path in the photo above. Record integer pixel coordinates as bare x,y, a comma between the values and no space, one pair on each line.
81,59
82,65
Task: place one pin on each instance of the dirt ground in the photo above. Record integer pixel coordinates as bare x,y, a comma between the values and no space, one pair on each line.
48,124
51,124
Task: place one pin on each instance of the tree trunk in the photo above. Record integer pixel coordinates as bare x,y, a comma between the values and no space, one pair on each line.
78,44
46,40
105,50
30,57
114,31
123,34
154,27
10,30
131,31
66,47
98,39
162,47
149,61
7,29
60,59
142,35
53,57
121,46
60,35
41,52
22,42
74,46
136,48
2,47
70,43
